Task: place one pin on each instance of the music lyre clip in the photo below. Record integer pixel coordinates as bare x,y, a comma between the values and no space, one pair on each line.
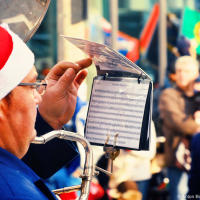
111,152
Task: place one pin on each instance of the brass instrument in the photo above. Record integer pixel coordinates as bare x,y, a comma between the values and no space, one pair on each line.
23,16
88,171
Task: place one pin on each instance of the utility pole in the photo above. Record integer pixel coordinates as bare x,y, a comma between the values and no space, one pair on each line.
162,42
114,22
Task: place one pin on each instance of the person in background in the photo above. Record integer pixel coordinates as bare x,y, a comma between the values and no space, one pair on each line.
20,96
194,174
176,110
126,190
135,166
186,47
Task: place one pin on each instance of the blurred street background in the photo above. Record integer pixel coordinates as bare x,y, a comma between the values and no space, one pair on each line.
151,33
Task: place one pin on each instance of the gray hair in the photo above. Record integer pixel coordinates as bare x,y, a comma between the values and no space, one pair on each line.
186,60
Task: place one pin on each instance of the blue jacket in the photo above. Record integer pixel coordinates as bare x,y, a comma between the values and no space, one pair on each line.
18,181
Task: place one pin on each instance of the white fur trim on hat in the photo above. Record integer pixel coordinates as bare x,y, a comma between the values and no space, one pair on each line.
17,66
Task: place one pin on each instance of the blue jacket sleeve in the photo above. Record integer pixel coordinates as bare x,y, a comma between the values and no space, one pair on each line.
46,159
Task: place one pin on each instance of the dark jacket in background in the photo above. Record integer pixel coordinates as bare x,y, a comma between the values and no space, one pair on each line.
176,111
194,175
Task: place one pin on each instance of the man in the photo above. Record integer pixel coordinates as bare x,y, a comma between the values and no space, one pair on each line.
55,110
176,110
20,95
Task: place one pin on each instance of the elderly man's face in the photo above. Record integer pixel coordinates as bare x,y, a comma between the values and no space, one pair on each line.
20,115
185,75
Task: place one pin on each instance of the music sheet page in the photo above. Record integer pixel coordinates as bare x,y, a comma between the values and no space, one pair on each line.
117,107
120,101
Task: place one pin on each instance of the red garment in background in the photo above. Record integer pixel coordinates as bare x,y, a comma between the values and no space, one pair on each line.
96,192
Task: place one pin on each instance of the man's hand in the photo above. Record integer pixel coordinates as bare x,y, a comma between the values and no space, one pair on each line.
59,101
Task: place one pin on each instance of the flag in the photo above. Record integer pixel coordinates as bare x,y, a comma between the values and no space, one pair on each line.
126,44
149,28
191,26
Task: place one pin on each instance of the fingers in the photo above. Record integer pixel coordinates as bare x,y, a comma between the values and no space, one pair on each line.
65,80
83,64
59,69
80,77
70,77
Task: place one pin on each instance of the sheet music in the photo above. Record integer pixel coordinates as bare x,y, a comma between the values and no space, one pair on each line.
106,58
121,99
117,107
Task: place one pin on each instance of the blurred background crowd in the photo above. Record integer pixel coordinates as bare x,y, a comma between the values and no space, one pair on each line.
163,38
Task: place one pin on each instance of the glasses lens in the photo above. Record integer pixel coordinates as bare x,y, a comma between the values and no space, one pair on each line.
41,87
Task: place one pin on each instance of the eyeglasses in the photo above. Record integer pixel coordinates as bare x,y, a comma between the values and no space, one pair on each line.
39,86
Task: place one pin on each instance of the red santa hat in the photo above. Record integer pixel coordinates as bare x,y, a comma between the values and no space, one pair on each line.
16,60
